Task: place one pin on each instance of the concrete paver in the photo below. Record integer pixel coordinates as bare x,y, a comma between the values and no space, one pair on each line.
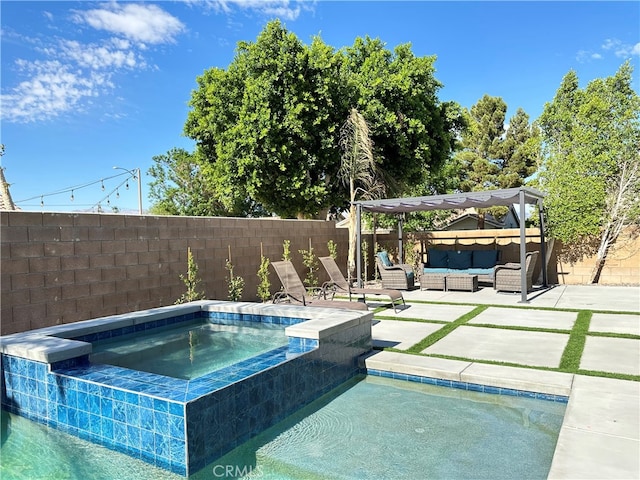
615,323
538,349
400,334
587,297
596,297
582,455
526,318
608,354
445,313
600,435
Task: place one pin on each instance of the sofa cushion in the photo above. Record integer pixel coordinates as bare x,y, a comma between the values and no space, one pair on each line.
384,258
460,259
435,270
485,258
437,258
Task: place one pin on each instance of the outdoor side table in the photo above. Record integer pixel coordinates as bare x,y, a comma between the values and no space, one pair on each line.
462,282
432,281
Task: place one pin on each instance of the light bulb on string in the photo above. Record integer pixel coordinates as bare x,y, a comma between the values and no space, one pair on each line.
117,193
41,200
126,185
102,184
72,197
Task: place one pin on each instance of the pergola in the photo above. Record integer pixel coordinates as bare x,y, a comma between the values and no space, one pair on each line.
489,198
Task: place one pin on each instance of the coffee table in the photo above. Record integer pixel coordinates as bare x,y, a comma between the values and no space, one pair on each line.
433,281
461,282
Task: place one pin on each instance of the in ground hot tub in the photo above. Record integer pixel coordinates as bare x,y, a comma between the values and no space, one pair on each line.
176,420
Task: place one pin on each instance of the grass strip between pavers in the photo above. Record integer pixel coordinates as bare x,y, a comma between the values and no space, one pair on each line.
570,361
445,330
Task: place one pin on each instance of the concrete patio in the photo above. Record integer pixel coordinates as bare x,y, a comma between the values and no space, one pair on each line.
600,436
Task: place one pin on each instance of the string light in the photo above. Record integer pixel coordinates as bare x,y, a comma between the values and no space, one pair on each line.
71,192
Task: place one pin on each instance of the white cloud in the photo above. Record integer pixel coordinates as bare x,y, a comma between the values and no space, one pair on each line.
284,9
620,48
72,74
99,57
137,22
52,88
585,56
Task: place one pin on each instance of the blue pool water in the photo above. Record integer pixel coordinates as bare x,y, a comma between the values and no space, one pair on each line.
189,350
369,427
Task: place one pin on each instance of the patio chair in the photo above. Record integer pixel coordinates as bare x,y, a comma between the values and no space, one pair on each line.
507,277
339,284
394,276
294,292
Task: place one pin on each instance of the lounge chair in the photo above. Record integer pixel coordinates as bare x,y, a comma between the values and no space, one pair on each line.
339,284
507,277
394,276
294,292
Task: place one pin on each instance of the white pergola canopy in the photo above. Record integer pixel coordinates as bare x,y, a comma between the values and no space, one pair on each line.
489,198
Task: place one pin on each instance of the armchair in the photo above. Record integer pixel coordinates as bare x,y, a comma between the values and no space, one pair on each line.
507,277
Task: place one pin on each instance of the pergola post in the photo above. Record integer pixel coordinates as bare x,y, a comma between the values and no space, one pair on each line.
543,245
359,244
400,217
523,249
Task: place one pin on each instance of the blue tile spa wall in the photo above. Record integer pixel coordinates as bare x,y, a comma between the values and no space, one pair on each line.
135,423
176,424
224,419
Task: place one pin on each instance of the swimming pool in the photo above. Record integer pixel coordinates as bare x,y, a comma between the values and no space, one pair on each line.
367,428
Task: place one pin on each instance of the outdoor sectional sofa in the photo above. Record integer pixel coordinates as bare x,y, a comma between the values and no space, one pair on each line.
471,262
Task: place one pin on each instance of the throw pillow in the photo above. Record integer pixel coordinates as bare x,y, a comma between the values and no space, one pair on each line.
485,258
437,258
384,258
460,260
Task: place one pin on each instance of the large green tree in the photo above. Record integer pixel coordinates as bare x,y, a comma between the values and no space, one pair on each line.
184,184
269,123
396,92
494,154
591,167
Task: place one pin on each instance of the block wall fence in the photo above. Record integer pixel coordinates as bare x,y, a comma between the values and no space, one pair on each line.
65,267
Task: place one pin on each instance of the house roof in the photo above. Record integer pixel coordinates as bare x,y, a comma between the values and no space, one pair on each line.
6,202
488,198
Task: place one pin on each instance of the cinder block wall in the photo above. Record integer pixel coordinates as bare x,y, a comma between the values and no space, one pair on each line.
622,266
66,267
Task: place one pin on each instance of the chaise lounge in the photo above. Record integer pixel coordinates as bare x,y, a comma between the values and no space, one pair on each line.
339,284
294,292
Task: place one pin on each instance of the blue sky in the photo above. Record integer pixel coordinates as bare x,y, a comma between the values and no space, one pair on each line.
87,86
